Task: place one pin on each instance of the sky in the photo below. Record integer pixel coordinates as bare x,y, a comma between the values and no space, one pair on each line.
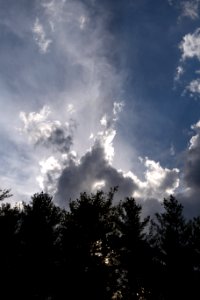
97,94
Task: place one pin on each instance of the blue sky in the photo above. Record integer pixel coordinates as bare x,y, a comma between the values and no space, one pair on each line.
101,93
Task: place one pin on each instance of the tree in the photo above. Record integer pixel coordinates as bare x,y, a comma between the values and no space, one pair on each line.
9,245
38,237
4,194
134,253
194,243
170,240
87,264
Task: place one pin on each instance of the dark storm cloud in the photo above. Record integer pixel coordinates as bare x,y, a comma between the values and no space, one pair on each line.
192,168
190,197
92,170
192,160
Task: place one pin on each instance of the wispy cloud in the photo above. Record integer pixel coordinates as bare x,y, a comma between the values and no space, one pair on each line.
179,73
40,37
190,9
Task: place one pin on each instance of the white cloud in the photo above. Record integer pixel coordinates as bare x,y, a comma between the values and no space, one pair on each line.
179,73
106,139
103,121
194,86
41,130
66,174
40,36
94,172
50,168
190,49
117,108
161,179
159,182
34,118
70,108
195,139
190,46
51,163
98,185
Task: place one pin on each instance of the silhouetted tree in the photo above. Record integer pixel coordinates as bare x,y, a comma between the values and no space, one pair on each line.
38,237
170,239
97,250
9,244
86,247
194,243
134,253
4,194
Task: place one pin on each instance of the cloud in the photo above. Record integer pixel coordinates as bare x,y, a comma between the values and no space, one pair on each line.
187,8
189,194
80,78
194,86
190,46
66,174
40,36
192,167
46,132
158,182
172,150
94,171
190,9
171,2
190,49
179,73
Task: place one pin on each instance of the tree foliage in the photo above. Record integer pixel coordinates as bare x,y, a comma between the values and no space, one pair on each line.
4,194
98,249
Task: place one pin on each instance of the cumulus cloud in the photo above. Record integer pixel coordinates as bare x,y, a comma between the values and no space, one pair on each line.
66,174
190,49
47,132
158,182
194,86
190,45
94,171
40,36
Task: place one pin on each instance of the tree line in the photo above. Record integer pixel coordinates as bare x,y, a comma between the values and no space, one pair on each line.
97,249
